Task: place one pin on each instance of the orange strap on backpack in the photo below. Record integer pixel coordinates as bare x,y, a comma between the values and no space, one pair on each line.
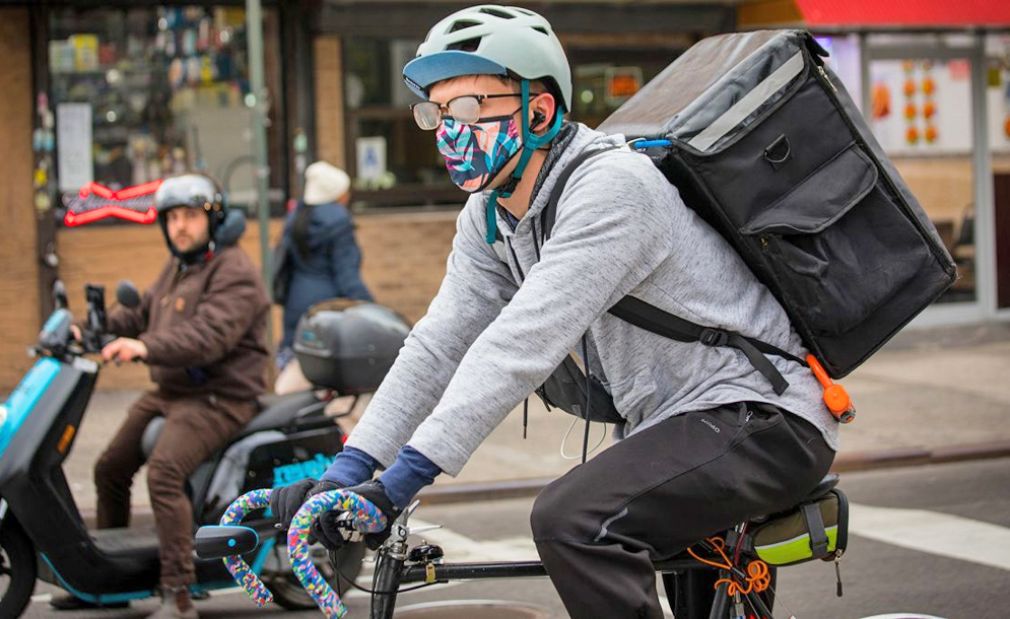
836,398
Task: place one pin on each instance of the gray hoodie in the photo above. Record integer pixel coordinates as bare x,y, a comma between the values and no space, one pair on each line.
503,320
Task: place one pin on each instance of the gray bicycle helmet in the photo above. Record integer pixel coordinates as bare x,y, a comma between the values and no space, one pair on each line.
190,191
491,39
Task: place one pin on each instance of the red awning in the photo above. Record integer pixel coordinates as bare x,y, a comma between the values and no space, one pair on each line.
905,12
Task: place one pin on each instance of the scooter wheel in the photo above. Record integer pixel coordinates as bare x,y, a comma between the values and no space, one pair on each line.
18,569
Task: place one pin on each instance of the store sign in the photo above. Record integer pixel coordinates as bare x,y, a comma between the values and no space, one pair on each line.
621,84
371,157
73,135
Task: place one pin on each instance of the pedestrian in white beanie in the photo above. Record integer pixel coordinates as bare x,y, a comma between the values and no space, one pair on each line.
317,259
325,183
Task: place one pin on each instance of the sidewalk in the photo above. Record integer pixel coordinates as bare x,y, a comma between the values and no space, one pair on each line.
929,395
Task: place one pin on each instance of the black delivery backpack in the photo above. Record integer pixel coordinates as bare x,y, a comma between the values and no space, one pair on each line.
762,140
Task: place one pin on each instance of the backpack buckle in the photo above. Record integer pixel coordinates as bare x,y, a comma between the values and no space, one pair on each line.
713,337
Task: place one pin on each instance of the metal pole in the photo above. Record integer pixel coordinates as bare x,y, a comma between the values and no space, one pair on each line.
257,100
865,85
985,217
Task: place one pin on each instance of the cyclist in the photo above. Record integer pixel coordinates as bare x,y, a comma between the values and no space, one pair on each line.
201,327
705,440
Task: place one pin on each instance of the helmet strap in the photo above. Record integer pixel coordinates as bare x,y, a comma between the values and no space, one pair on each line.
531,142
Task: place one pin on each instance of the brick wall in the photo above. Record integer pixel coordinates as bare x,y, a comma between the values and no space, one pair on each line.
404,261
19,316
326,52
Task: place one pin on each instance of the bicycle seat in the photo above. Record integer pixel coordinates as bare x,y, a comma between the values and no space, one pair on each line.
823,487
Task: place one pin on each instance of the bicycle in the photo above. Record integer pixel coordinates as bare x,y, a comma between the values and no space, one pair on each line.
740,565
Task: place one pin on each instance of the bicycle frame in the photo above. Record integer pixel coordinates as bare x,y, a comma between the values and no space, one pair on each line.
397,563
392,571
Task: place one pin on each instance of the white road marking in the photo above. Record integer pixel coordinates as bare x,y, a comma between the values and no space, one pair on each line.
902,616
933,532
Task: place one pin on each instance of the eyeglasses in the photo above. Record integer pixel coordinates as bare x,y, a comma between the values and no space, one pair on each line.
464,109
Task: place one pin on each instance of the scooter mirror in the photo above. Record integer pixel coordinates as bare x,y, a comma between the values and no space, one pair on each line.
217,542
60,295
126,294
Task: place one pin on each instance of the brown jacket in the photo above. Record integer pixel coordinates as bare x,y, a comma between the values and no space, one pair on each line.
204,327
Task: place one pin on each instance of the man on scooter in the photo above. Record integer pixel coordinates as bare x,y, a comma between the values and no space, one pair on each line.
201,327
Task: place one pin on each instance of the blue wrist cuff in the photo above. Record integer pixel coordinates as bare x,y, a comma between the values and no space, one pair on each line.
351,467
409,473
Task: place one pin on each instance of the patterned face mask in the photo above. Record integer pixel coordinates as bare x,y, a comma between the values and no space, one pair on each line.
475,153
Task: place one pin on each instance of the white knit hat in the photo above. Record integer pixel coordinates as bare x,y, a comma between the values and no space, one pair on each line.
325,183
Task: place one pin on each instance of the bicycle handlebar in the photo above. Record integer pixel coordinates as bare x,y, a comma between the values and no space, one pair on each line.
365,518
239,569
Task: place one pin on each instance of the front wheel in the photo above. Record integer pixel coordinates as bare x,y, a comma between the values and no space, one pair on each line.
288,591
17,569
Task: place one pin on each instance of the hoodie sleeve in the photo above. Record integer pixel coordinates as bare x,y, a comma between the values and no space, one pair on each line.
611,233
477,285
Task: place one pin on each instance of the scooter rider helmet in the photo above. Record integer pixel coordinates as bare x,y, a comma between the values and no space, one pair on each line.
491,39
190,191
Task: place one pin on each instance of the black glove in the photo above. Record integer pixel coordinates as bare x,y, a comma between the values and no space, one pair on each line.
285,502
331,534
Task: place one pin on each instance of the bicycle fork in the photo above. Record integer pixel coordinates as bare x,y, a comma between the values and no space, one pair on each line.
389,568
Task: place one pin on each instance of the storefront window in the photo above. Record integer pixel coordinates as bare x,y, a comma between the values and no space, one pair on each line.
143,93
998,91
603,77
393,163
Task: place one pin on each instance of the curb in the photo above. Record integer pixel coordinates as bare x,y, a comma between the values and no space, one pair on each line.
521,488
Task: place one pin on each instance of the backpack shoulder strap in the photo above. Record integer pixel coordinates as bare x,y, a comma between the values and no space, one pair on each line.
651,318
550,212
645,316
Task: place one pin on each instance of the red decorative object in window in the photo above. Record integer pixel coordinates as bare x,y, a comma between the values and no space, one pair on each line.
95,202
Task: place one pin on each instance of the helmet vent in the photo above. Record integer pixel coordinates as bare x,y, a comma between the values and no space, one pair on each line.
496,12
542,30
467,45
462,24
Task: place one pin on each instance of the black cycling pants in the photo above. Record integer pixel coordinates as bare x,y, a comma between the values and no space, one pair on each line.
599,527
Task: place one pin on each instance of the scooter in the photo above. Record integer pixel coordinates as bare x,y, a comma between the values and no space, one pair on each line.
42,533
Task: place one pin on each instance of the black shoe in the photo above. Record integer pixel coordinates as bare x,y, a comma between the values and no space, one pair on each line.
72,602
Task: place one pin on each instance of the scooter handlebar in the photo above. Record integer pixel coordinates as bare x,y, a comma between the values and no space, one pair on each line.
365,517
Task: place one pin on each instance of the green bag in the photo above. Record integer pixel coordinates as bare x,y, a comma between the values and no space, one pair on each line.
818,529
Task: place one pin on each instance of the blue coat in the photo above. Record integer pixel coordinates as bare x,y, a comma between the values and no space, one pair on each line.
332,268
